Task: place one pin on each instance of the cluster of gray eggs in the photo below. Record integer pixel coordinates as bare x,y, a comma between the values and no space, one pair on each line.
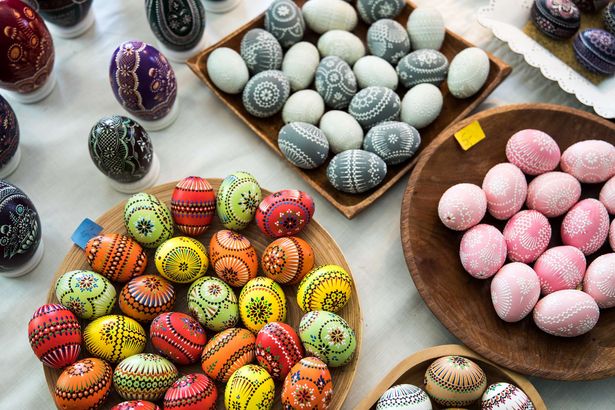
353,109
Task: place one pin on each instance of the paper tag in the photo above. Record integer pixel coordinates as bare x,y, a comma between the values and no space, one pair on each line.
470,135
86,230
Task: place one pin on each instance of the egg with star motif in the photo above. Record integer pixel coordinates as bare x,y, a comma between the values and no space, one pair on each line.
278,349
114,337
86,293
250,387
144,376
482,251
308,384
328,337
193,391
193,205
462,206
261,301
181,259
285,213
233,257
117,257
145,297
287,260
373,10
227,352
55,335
423,66
178,337
586,226
326,287
213,303
85,384
533,151
506,190
148,220
238,197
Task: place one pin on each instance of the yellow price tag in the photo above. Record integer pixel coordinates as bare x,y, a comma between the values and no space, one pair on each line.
470,135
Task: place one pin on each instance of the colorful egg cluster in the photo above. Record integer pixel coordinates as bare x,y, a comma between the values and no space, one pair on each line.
117,257
55,335
193,205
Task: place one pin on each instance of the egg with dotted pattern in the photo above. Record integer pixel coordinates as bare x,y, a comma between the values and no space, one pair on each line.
426,28
599,281
193,391
455,381
404,397
372,71
505,396
250,387
356,171
178,337
261,301
287,260
462,206
284,20
9,134
309,375
422,105
145,297
114,338
553,193
84,384
561,267
193,205
607,196
566,313
181,259
135,405
506,190
117,257
373,105
586,226
144,376
227,352
342,44
300,64
227,70
468,72
278,349
515,289
303,145
423,66
233,257
261,51
325,15
86,293
213,303
395,142
527,236
326,287
373,10
285,213
303,106
148,220
482,251
533,151
589,161
335,82
388,40
328,337
266,93
238,197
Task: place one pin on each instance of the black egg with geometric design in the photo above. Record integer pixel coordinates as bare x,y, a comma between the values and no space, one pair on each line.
9,132
177,24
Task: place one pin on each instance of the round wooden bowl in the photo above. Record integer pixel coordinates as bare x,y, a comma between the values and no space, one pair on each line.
325,249
412,370
462,303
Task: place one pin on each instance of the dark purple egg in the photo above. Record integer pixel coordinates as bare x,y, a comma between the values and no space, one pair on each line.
9,132
590,6
595,50
558,19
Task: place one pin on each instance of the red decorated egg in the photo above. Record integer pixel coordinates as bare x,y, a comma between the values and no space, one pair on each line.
462,206
284,213
590,161
135,405
83,385
586,226
226,352
607,196
506,189
533,151
553,194
193,205
117,257
562,267
599,280
515,289
177,337
527,236
233,257
278,348
482,251
55,335
287,260
146,296
191,392
566,313
308,385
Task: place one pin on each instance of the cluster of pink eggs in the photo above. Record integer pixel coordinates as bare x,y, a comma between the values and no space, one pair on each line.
573,292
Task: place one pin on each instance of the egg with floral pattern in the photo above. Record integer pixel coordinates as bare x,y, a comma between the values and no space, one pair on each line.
146,296
388,40
326,287
527,236
284,20
193,391
261,301
227,352
85,384
117,257
250,387
328,337
590,161
374,105
482,251
566,313
178,337
193,205
462,206
114,337
553,193
261,51
515,289
506,190
284,213
181,259
586,226
308,385
533,151
335,82
374,10
561,267
148,220
87,294
144,376
238,197
287,260
213,303
599,281
278,348
55,335
266,93
233,257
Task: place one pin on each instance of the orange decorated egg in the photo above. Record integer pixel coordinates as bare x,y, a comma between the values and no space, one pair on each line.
287,260
147,296
83,385
308,385
226,352
135,405
117,257
193,205
233,257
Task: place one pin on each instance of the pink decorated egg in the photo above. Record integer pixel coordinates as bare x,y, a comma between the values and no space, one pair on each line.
284,213
462,206
278,349
560,268
527,236
533,151
612,235
553,194
566,313
586,226
178,337
607,196
191,392
590,161
482,251
515,289
506,189
599,280
55,335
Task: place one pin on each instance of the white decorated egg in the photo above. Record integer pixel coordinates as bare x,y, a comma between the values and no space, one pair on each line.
266,93
343,44
599,281
505,396
553,193
389,40
303,106
404,397
261,51
372,71
300,64
566,313
590,161
533,151
325,15
527,236
426,28
586,226
227,70
421,105
482,251
335,82
468,72
342,131
562,267
607,196
462,206
506,189
515,289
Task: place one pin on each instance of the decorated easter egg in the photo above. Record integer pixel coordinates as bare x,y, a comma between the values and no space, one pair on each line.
356,171
303,145
87,294
261,301
62,13
117,257
607,196
181,259
213,303
590,6
226,352
238,197
426,28
527,236
505,396
233,257
325,15
300,64
612,236
287,260
325,287
145,297
261,51
373,10
284,20
404,396
303,106
468,72
328,337
266,93
589,161
372,71
278,349
455,381
343,44
599,281
285,213
595,49
515,289
394,142
55,335
389,40
142,80
193,205
193,391
114,337
374,105
227,70
250,387
586,226
422,105
533,151
506,190
566,313
482,251
462,206
562,267
85,384
135,405
9,133
558,19
335,81
148,220
144,376
423,66
308,385
553,193
178,337
342,131
178,25
608,17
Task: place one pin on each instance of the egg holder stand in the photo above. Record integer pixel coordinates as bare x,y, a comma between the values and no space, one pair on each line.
222,6
182,56
11,165
146,182
73,31
28,266
160,123
36,95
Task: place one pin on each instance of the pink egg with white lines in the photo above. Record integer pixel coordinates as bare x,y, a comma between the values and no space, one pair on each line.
586,226
506,189
462,206
553,194
599,280
562,267
482,251
566,313
515,289
590,161
527,236
533,151
607,196
612,235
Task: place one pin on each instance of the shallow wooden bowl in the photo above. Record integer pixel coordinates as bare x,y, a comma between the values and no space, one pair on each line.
325,249
412,370
267,128
462,303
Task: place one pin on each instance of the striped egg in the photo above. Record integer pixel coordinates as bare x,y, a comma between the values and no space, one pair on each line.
505,396
326,287
311,376
561,267
145,297
148,220
462,206
87,294
213,303
404,397
506,190
599,281
55,335
566,313
278,349
181,259
178,337
85,384
193,391
193,205
135,405
515,289
261,301
607,196
303,145
226,352
250,387
454,381
356,171
114,338
284,213
553,193
589,161
287,260
328,337
533,151
238,197
482,251
586,226
144,376
233,257
527,236
117,257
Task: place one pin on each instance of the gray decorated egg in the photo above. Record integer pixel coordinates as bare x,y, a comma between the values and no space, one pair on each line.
343,44
285,21
227,70
304,145
356,171
261,51
426,28
374,71
335,82
395,142
468,72
388,39
372,10
374,105
266,93
303,106
300,64
422,66
325,15
421,105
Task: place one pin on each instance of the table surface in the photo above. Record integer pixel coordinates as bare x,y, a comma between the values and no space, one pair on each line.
207,140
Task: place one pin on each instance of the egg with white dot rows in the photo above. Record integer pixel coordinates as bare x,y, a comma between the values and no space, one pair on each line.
607,196
373,10
374,105
325,15
356,171
342,131
505,396
285,21
227,70
87,294
482,251
423,66
566,313
300,64
422,105
599,281
266,93
261,51
462,206
527,236
553,193
506,190
395,142
455,381
468,72
303,106
515,289
375,71
586,226
426,28
561,267
533,151
304,145
589,161
389,40
335,82
343,44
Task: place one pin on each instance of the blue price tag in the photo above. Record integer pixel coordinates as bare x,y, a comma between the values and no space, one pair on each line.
84,232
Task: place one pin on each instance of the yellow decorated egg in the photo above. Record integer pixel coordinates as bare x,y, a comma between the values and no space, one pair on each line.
250,387
454,381
114,337
181,259
261,301
324,288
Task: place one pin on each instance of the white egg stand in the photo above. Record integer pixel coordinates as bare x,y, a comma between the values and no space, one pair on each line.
220,6
161,123
146,182
73,31
12,165
182,56
36,95
29,265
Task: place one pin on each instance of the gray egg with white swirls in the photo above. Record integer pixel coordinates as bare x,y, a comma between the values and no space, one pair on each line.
423,66
261,51
266,93
356,171
393,141
335,82
304,145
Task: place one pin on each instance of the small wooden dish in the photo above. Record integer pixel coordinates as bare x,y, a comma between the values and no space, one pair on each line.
462,303
325,249
412,370
267,128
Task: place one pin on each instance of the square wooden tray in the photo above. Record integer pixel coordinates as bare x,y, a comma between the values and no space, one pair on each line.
267,128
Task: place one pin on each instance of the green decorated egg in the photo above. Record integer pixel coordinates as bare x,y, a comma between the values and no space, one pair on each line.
213,303
181,259
328,337
87,294
250,387
144,376
148,220
261,301
325,288
237,200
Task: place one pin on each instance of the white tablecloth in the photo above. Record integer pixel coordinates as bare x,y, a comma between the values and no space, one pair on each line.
208,140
